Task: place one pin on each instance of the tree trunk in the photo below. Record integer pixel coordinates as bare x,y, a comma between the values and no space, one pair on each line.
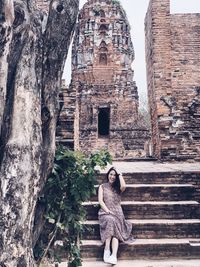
33,50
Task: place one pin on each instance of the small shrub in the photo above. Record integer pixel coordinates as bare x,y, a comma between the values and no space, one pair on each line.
70,184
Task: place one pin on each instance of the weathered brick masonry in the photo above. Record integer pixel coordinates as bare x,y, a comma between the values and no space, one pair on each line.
65,124
173,77
107,97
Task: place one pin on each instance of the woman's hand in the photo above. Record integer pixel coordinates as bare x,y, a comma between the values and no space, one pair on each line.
110,212
118,171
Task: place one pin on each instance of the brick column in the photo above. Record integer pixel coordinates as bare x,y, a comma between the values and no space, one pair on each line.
158,58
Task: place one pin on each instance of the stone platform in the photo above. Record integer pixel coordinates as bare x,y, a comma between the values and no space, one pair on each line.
154,166
136,263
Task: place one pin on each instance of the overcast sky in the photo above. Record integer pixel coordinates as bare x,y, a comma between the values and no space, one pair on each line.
136,11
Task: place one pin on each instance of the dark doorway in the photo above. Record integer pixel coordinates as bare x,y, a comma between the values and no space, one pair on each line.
104,121
103,59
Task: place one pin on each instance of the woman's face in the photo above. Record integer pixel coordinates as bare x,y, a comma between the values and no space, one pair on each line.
112,176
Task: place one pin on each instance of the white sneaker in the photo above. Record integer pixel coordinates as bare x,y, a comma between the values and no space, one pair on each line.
112,259
106,255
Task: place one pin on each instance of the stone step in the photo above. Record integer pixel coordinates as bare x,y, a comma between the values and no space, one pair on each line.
157,192
171,195
171,177
141,263
146,249
152,229
151,209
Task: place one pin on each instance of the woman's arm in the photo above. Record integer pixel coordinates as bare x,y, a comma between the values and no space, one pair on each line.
122,183
101,202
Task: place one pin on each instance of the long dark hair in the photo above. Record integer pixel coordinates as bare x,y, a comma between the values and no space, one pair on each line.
116,184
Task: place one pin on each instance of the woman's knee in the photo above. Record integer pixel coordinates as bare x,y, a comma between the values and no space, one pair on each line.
111,219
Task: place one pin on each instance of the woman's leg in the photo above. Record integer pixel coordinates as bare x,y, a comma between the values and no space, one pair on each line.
107,244
107,253
115,245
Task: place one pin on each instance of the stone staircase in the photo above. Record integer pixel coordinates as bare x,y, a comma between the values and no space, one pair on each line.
165,212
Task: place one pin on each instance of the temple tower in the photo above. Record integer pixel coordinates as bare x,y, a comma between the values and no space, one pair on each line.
107,96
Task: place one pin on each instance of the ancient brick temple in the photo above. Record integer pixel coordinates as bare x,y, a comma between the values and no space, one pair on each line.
107,96
173,76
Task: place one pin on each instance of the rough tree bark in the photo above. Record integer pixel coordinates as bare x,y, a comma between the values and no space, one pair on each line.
33,49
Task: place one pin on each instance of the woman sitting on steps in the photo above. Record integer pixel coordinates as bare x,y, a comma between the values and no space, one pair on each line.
113,226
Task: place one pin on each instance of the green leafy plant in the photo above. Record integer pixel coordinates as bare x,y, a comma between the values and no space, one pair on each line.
71,183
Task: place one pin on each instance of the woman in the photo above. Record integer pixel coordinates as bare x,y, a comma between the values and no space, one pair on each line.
113,226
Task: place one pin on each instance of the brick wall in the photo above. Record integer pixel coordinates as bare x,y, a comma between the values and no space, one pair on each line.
173,78
65,124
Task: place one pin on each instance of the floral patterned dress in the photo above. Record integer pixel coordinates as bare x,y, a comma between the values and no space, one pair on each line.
113,225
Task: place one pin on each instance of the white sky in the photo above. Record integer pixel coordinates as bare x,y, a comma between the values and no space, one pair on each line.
136,11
